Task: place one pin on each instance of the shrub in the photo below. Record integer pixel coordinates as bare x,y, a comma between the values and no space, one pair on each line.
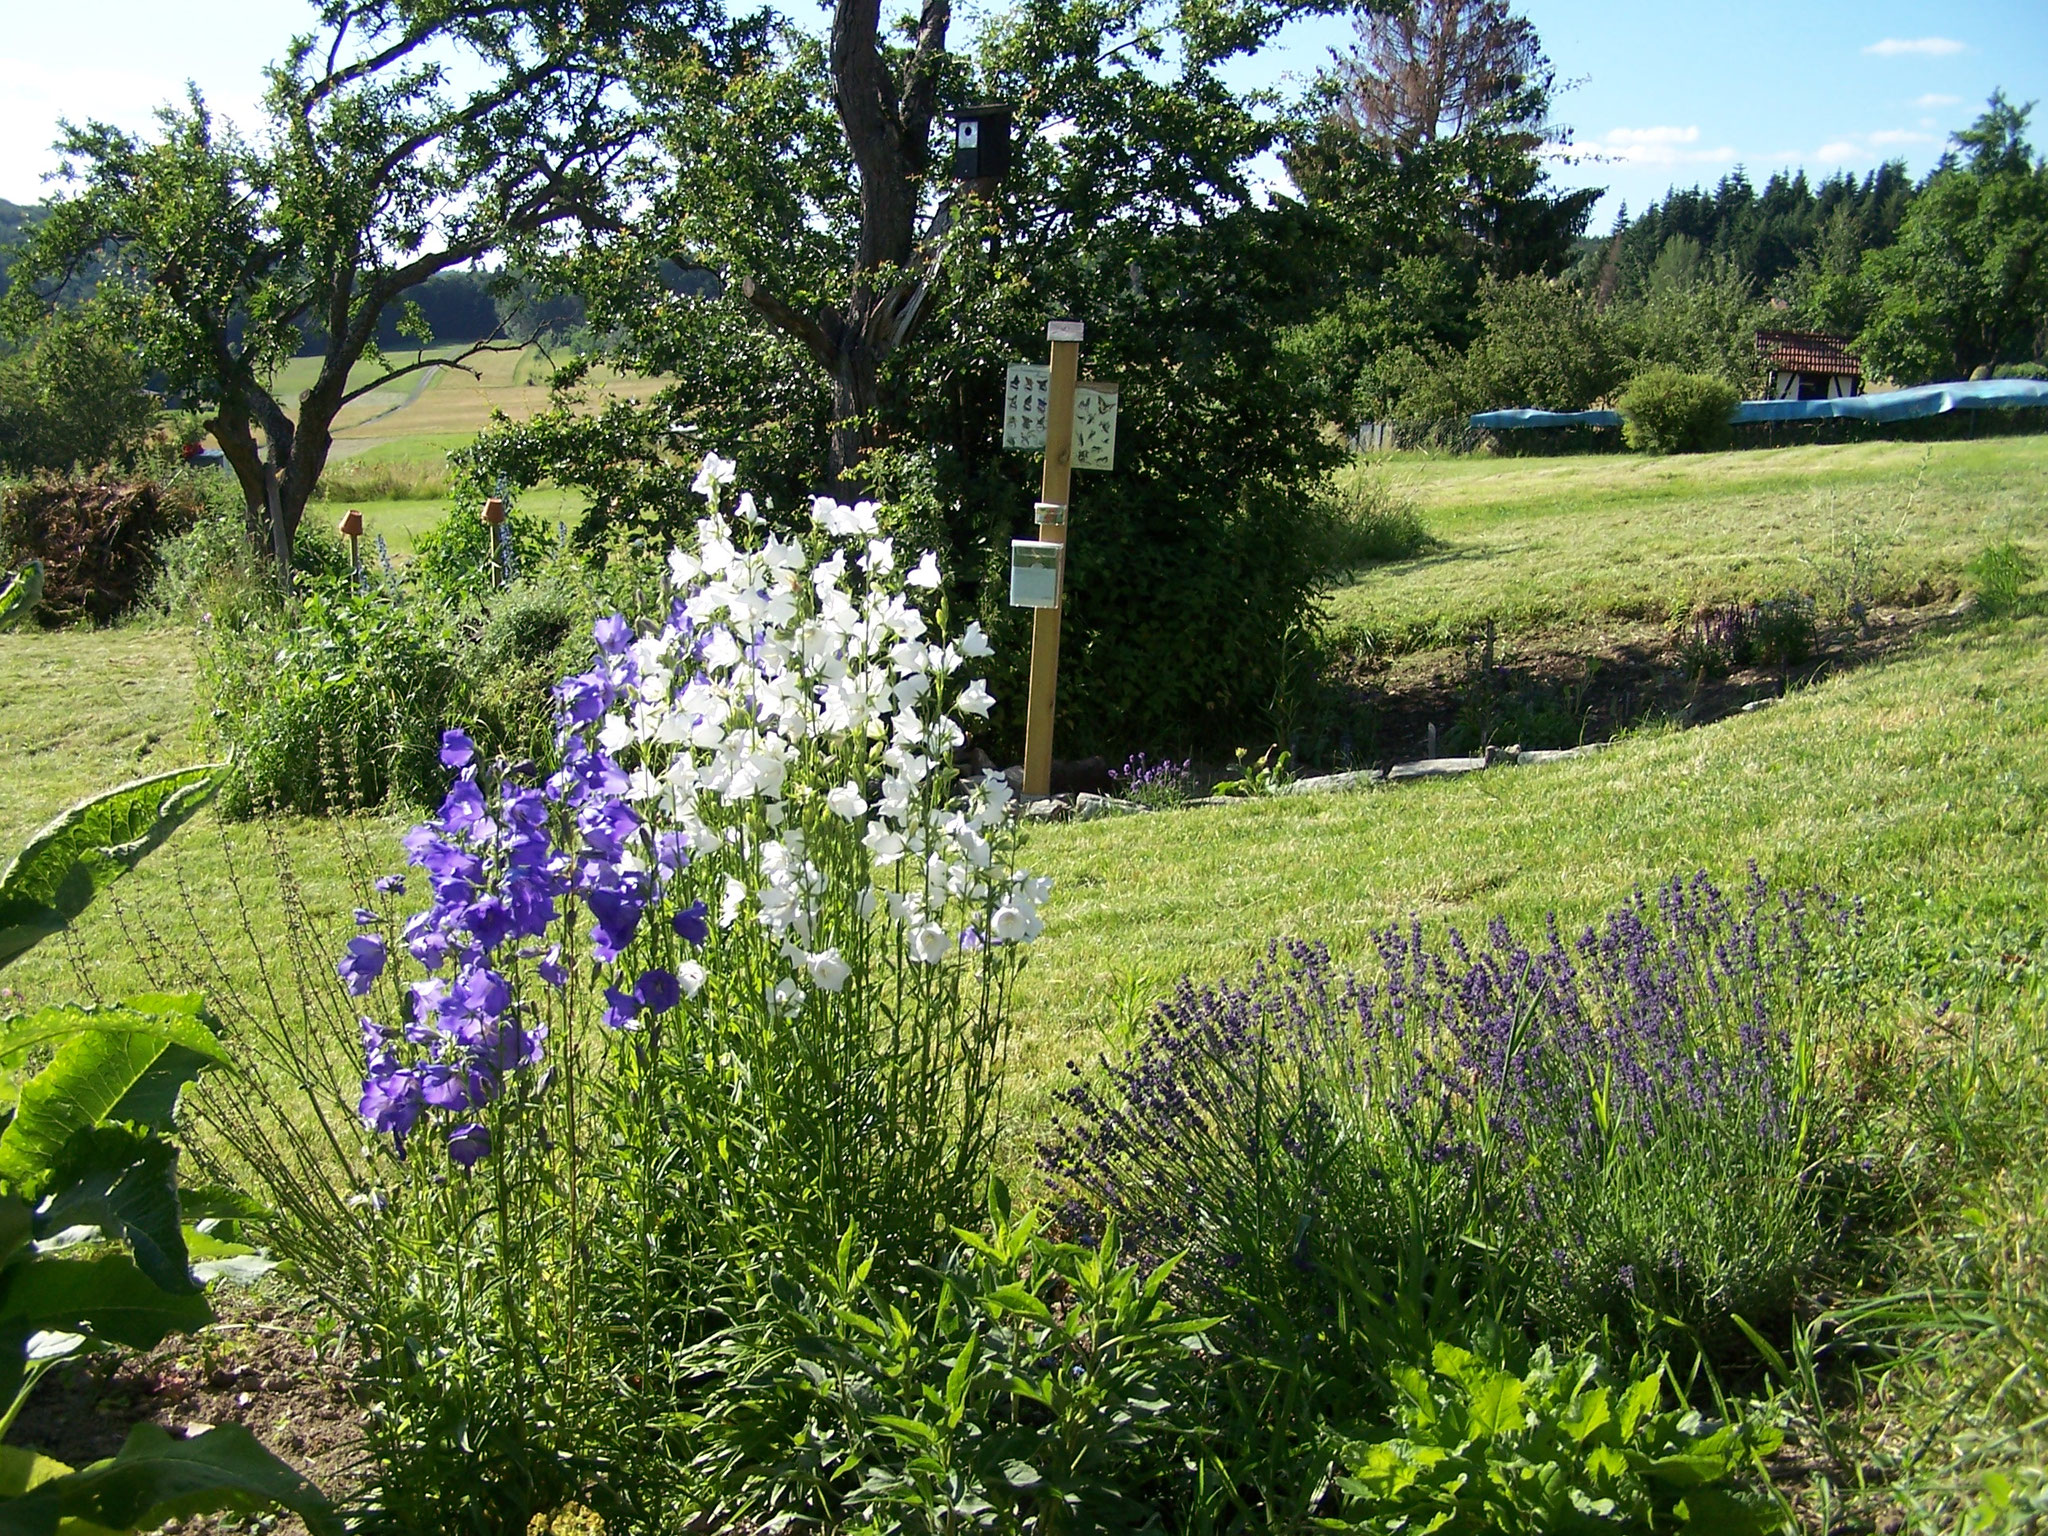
2002,572
2020,371
1020,1384
73,399
458,557
1600,1134
1665,411
97,538
338,707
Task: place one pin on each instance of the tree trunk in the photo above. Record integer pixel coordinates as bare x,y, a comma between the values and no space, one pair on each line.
888,122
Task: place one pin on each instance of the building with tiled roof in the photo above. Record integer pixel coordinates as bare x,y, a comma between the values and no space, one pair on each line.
1808,365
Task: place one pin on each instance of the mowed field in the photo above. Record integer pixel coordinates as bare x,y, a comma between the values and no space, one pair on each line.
1533,543
410,426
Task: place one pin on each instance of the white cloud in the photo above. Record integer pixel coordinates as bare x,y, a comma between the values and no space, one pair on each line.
1661,145
1936,99
1929,47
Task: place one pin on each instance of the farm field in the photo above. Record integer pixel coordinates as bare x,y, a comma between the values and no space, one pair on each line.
424,414
1601,539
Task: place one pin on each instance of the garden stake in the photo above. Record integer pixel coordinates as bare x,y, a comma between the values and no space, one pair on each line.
494,523
351,526
1053,486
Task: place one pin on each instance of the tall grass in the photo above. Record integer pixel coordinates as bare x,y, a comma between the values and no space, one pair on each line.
393,480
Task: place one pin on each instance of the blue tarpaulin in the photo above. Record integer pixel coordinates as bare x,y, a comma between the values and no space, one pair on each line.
1897,405
1497,420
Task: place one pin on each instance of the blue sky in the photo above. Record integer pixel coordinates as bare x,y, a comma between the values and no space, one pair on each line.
1661,92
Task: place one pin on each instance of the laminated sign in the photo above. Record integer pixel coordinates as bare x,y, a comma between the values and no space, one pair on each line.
1027,395
1034,574
1095,426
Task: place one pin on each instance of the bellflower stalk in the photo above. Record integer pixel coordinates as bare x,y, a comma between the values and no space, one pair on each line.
753,829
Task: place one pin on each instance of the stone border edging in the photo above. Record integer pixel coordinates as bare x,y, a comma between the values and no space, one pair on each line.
1090,807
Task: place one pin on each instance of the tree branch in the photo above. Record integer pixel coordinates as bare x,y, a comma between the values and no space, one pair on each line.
792,323
459,362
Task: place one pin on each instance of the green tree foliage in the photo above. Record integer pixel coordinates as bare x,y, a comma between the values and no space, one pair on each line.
1698,315
73,396
1966,284
1792,227
221,252
1541,344
1426,152
1128,204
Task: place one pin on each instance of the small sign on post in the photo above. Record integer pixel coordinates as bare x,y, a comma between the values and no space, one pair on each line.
1035,573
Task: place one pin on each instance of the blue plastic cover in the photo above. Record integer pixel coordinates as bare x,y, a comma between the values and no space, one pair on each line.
1903,404
1496,420
1896,405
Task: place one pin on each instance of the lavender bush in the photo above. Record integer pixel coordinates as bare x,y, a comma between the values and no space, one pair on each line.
1161,785
1562,1136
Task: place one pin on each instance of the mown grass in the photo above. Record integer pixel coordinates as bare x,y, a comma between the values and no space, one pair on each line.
403,520
82,710
1534,543
1919,788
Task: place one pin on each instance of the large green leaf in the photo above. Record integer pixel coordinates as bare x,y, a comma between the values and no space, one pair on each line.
92,1076
174,1019
126,1185
75,857
20,593
157,1477
106,1294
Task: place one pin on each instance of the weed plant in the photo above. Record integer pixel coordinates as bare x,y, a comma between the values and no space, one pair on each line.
1367,522
2001,573
349,481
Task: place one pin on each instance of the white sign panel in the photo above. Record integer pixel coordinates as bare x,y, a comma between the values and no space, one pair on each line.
1095,426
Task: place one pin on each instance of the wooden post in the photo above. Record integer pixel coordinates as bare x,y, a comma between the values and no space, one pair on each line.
1053,487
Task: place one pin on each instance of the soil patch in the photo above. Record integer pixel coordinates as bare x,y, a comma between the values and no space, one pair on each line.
1551,689
270,1363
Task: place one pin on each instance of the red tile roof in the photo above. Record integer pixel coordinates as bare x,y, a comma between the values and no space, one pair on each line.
1807,352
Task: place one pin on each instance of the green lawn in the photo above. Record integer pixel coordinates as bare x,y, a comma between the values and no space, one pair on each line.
1591,539
1919,787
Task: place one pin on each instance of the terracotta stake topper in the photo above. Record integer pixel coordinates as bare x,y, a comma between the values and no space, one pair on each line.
351,524
494,511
